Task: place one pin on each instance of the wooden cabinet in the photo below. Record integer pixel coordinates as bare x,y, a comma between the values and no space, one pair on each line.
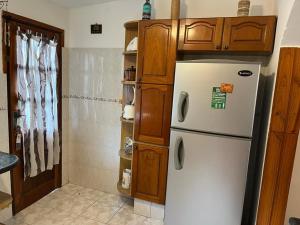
201,34
156,59
149,178
153,113
249,34
253,34
157,51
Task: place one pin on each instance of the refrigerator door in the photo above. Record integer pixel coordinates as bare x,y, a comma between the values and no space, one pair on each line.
206,179
198,105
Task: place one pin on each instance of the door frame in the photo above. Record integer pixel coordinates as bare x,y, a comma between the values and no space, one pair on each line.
10,70
282,140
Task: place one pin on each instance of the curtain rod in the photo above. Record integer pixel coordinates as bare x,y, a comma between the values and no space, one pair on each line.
3,3
26,21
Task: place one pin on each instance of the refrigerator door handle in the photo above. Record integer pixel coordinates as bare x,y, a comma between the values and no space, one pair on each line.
179,154
183,105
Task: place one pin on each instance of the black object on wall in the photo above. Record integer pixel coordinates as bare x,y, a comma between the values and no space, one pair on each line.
96,28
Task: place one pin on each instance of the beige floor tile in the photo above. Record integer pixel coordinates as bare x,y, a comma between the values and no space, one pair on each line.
124,218
100,213
85,221
76,206
90,194
71,189
55,217
112,200
31,216
14,221
150,221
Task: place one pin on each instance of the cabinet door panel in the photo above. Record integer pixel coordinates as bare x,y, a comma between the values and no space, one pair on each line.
249,34
200,34
157,51
153,114
149,173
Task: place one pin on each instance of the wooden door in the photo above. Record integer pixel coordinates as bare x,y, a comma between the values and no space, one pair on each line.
200,34
282,141
150,165
32,189
249,34
153,114
157,51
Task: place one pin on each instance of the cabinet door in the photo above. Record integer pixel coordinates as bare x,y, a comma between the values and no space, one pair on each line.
201,34
153,114
150,165
249,34
157,51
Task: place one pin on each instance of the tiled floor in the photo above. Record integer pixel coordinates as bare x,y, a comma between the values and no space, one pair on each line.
75,205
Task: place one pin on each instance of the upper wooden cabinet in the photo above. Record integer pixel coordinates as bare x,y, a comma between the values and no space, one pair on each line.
153,113
201,34
253,34
249,34
149,178
157,51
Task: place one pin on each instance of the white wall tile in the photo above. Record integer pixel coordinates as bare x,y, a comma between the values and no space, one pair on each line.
157,211
142,208
94,126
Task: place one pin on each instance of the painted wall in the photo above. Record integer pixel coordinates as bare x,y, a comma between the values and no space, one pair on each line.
44,12
206,8
114,14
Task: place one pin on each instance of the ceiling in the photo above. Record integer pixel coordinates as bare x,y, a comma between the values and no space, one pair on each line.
77,3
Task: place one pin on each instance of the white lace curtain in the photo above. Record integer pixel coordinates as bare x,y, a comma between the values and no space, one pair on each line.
37,67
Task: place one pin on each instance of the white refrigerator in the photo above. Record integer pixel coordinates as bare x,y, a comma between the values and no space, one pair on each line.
212,127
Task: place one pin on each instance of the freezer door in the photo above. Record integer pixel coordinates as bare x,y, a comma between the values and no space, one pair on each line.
206,179
198,104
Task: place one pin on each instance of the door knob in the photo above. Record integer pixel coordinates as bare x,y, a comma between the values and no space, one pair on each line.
17,114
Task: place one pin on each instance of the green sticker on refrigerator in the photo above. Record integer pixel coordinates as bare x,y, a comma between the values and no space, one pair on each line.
218,99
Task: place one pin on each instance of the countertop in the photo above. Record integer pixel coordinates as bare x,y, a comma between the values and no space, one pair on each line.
7,162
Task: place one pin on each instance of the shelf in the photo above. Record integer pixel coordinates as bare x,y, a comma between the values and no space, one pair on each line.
123,191
126,82
5,200
126,121
123,155
132,24
130,53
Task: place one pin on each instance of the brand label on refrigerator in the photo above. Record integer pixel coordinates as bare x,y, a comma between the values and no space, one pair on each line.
218,98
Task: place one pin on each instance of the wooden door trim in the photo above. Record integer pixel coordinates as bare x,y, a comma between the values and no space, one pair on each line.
14,19
282,141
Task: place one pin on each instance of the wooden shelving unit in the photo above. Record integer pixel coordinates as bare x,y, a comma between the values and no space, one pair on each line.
127,126
125,82
130,53
123,155
122,190
5,200
126,121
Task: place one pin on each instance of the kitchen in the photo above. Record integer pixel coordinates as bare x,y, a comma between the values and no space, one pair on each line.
92,74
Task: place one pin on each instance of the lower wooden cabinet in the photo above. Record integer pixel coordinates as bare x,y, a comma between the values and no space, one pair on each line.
150,168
